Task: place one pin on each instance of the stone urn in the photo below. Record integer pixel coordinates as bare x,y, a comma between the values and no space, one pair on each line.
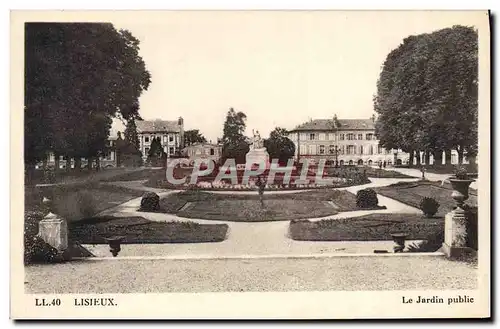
460,190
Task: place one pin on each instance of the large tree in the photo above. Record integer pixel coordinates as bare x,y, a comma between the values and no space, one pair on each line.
279,146
234,142
427,94
77,77
193,136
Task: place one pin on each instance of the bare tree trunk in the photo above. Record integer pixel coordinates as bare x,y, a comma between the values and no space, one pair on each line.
418,159
447,158
438,158
97,163
29,170
427,157
78,164
89,163
68,164
410,160
57,162
460,152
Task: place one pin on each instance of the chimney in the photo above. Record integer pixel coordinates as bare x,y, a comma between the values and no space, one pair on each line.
180,123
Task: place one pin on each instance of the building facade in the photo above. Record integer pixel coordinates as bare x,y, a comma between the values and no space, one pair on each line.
171,135
108,160
207,151
350,142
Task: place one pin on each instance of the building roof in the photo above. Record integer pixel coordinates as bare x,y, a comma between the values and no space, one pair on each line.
157,126
204,145
345,124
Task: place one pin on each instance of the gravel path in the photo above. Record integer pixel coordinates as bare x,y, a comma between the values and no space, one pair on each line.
258,238
339,273
428,175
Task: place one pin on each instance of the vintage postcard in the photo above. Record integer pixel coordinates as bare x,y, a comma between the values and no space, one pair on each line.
250,164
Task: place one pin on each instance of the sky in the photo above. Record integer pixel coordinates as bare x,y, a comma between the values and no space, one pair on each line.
281,68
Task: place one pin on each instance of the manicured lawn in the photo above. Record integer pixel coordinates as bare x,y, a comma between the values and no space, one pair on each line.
413,192
251,210
367,228
143,174
140,230
237,207
450,169
382,173
75,202
74,176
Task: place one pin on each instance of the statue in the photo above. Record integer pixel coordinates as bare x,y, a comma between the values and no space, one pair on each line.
257,140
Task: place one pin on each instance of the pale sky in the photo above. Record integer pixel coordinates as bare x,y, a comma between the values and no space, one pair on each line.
279,67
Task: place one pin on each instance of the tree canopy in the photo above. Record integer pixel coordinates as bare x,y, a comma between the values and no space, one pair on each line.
427,93
193,136
279,146
78,76
234,142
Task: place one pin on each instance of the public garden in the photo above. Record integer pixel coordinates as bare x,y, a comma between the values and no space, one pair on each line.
130,229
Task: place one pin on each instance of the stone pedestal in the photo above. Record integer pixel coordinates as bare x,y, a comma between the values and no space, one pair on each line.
54,230
257,156
455,234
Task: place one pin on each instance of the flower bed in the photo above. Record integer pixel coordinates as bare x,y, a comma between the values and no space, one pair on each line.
366,228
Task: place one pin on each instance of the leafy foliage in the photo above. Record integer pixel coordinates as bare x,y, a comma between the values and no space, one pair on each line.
150,202
193,136
366,198
279,146
427,93
78,76
234,143
429,206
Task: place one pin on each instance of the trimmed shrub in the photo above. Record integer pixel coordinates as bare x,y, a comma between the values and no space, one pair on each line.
366,198
429,206
150,202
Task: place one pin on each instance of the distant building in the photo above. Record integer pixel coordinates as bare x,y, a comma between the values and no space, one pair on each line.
171,135
203,151
108,160
352,142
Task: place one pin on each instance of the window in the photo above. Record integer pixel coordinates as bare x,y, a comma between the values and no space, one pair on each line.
332,149
360,136
351,149
369,137
170,138
212,152
322,149
380,150
170,150
350,137
146,139
302,136
146,151
312,136
331,136
322,136
303,149
361,149
312,149
371,149
341,137
164,139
